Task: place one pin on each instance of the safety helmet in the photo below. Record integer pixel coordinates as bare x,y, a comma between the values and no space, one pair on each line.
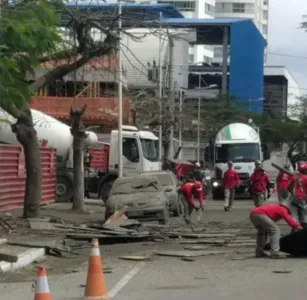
197,164
302,166
258,164
287,166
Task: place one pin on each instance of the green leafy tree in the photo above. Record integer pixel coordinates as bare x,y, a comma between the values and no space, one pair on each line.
28,31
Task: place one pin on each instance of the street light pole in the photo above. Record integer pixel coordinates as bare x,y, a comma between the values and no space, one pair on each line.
160,91
198,121
120,96
180,115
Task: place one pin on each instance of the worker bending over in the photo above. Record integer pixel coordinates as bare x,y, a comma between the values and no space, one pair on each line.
264,219
188,190
282,181
298,188
231,180
259,184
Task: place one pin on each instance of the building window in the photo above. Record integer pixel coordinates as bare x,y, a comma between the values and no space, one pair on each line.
265,2
207,60
209,9
265,29
191,59
181,5
238,7
265,14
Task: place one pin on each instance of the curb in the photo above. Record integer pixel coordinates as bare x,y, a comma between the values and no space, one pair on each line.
24,259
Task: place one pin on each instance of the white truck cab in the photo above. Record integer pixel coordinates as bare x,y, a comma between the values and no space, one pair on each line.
241,144
140,151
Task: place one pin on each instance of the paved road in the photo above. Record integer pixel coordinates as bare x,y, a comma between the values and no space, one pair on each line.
235,275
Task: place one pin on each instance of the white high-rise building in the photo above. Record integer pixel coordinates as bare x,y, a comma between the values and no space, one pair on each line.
257,10
196,9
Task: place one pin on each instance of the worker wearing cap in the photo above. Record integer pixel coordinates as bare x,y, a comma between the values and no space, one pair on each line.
231,180
298,188
264,219
259,184
187,192
197,174
282,181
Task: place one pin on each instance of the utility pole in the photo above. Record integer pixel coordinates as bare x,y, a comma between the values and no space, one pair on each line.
160,91
120,96
171,93
180,114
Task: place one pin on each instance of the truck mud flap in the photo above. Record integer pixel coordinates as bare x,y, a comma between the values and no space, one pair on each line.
295,243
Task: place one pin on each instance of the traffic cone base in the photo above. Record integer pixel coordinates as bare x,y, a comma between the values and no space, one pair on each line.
95,288
42,291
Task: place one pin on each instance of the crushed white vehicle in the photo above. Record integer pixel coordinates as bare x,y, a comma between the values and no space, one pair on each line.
143,197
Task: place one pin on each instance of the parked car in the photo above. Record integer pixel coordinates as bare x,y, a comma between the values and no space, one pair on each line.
143,197
170,184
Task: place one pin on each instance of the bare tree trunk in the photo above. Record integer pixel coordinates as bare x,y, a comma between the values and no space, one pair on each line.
26,136
79,135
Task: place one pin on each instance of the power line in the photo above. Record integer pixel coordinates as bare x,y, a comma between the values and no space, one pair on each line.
287,55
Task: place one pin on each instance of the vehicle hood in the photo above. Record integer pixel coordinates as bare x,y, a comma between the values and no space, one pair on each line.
138,200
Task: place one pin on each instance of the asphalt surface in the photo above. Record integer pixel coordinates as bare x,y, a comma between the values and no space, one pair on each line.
235,275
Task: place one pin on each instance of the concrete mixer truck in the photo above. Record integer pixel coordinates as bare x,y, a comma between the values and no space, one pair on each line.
241,144
139,152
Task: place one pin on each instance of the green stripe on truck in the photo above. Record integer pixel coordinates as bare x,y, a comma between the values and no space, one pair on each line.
228,133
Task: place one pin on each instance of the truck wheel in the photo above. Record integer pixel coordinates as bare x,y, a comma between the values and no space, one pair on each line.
64,189
216,195
105,190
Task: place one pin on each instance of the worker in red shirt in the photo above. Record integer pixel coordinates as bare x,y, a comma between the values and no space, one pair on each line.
298,188
188,190
231,180
259,184
282,181
264,219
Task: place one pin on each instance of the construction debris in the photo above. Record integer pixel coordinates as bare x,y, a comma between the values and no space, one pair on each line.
135,258
180,253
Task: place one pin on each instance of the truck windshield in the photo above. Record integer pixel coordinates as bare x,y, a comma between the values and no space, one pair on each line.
150,149
237,152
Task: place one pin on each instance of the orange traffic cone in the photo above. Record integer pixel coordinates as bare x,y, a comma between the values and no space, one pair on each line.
95,288
42,291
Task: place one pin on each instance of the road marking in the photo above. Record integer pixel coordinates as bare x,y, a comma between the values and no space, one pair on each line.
125,280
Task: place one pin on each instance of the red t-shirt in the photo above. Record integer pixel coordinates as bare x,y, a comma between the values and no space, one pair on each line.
275,212
283,180
259,180
188,189
299,184
231,179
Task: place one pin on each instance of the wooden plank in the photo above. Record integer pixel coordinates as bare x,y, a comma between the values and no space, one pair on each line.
181,253
201,235
213,242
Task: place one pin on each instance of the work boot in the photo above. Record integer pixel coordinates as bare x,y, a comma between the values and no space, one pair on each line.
261,255
226,208
277,256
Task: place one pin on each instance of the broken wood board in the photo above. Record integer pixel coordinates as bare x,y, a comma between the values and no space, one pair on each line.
117,218
196,247
87,236
231,245
201,235
135,258
43,225
227,231
182,253
212,242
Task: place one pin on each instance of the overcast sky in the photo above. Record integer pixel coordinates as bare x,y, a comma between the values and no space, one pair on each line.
285,37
